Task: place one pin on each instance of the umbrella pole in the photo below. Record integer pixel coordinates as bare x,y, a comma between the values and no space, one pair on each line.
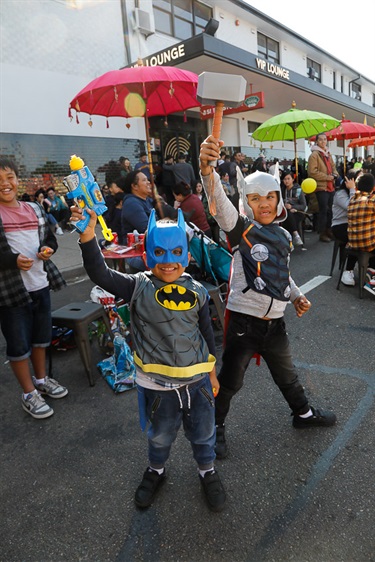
344,158
154,189
295,154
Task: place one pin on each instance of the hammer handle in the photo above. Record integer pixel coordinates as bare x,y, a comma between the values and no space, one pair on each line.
216,127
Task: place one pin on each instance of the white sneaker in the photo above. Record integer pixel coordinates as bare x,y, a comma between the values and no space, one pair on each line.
369,288
59,231
297,241
35,405
348,278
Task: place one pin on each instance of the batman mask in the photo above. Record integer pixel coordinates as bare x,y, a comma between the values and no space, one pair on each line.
166,242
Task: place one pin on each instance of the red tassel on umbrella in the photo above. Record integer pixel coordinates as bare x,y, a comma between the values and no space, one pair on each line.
185,118
107,124
77,120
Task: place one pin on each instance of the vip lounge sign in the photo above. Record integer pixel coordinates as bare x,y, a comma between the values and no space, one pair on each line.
253,101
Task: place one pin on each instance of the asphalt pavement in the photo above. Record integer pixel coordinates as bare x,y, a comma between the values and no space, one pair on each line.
68,482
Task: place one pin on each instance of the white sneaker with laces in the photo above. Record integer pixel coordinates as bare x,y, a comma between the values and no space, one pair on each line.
348,278
51,388
35,405
59,231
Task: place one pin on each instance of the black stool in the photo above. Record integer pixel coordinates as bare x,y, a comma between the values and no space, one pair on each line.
363,261
338,246
78,316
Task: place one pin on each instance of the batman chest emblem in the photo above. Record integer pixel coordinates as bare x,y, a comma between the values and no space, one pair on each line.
176,297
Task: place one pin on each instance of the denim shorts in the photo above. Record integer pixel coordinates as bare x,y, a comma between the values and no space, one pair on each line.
27,326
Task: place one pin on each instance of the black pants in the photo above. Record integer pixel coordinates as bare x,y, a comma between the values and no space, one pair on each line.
340,232
292,221
325,201
247,335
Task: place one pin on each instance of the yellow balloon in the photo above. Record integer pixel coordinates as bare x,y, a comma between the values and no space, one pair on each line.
308,185
134,105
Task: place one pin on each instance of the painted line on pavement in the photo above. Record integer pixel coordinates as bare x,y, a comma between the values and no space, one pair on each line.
313,283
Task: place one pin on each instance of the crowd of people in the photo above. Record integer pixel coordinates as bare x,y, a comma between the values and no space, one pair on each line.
261,208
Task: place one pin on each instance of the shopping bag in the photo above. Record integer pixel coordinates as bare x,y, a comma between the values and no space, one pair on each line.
119,369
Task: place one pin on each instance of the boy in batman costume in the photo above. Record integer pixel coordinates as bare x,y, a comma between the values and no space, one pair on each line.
260,288
174,350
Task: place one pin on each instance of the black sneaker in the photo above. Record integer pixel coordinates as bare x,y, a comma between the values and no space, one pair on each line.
221,448
146,491
213,490
319,418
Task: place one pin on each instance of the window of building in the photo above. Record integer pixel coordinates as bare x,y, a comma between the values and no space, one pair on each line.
355,91
373,100
251,126
268,48
314,70
342,84
181,18
334,80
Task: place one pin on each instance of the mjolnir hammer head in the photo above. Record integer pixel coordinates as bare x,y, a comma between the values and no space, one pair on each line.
214,87
220,90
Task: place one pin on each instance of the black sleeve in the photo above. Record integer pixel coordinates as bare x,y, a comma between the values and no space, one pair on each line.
50,239
8,260
119,284
234,236
205,326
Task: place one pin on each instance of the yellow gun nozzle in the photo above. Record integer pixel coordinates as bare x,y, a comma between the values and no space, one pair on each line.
76,163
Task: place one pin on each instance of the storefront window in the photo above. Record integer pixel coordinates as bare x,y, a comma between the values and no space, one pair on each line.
181,18
268,48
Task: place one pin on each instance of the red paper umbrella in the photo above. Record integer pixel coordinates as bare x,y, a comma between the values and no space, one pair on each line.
350,130
364,141
163,89
142,91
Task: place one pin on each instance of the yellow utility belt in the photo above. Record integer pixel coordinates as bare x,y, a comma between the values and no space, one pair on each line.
176,372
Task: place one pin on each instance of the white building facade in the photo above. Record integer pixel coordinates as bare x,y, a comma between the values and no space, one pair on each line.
52,49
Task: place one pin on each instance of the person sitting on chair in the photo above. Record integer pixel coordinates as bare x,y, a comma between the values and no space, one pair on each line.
295,204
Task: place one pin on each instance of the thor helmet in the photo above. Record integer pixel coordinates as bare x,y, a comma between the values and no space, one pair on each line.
261,183
164,238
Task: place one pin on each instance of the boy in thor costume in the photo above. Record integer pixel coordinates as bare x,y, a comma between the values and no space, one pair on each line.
260,288
174,350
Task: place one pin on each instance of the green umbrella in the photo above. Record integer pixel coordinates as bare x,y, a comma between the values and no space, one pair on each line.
294,124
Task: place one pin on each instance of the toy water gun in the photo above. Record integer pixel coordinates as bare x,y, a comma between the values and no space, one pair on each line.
85,191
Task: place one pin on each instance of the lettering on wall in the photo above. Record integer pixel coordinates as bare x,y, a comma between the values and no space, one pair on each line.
272,68
165,57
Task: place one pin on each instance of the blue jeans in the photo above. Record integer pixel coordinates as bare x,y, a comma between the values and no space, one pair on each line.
27,326
192,405
247,335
